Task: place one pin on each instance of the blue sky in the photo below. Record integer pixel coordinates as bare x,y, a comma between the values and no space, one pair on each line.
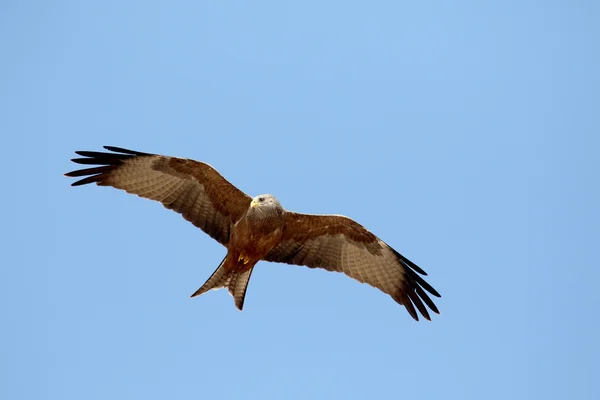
464,134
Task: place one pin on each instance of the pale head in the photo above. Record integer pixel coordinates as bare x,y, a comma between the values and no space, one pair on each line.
266,201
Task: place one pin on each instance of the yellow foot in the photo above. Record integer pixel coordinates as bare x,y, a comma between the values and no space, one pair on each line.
243,259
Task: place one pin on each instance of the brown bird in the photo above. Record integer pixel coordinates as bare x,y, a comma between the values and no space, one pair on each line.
259,228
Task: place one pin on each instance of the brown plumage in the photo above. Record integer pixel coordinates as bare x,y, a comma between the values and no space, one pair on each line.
258,229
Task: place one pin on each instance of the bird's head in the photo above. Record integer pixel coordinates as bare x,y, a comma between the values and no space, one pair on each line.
265,200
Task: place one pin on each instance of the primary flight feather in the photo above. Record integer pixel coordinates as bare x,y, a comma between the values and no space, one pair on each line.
259,228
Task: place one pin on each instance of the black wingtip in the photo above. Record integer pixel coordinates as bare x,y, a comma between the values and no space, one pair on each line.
416,300
106,163
89,179
403,299
421,293
411,264
423,283
126,151
412,312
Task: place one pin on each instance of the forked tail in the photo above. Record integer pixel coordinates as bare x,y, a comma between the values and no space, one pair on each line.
235,282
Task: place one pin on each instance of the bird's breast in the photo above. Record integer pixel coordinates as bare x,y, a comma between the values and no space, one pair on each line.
254,239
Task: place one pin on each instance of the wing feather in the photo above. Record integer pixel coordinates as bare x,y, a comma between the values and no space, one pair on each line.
340,244
191,188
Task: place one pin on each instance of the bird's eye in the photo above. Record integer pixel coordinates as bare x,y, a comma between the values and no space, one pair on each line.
261,199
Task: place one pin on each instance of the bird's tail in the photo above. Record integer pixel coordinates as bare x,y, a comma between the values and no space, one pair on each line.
235,282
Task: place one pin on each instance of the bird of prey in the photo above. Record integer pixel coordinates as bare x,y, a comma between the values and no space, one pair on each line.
259,228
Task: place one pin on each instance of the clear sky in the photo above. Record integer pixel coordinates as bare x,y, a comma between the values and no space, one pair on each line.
465,134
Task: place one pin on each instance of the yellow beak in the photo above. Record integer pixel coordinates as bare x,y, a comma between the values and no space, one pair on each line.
254,203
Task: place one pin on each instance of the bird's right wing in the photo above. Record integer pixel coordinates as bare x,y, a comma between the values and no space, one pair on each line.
191,188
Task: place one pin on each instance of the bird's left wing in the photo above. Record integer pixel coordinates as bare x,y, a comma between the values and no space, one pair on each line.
337,243
192,188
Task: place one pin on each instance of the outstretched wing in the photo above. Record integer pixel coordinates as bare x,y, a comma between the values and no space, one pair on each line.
191,188
337,243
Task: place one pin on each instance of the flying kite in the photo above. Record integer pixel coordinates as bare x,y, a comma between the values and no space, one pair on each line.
259,228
